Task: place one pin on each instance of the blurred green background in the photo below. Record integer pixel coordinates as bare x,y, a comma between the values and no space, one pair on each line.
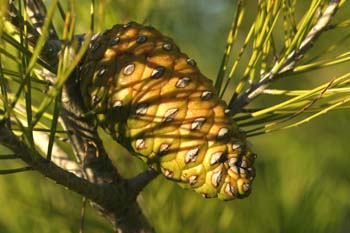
302,182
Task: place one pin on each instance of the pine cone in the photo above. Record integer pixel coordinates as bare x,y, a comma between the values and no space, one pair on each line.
151,98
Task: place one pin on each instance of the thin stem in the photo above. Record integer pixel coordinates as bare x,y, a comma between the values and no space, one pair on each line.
16,170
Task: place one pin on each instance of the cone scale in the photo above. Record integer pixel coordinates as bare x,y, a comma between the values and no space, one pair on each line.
153,100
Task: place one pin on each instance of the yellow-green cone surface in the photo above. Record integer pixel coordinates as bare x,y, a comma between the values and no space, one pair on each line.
151,97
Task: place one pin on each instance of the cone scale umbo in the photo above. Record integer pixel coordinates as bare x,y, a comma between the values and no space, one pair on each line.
152,99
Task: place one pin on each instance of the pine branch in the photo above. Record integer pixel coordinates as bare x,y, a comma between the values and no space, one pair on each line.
36,11
279,69
110,193
59,157
52,46
112,199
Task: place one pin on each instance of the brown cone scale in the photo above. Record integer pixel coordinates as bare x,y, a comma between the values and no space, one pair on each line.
153,99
